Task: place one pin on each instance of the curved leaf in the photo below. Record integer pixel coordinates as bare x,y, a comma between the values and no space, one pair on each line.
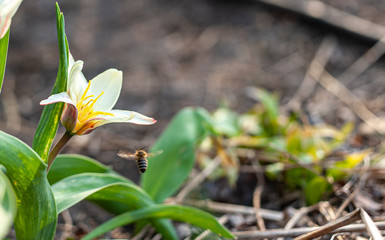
66,165
167,171
7,205
190,215
112,192
3,56
36,209
73,189
50,118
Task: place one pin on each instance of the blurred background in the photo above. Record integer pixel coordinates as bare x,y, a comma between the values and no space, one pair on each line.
182,53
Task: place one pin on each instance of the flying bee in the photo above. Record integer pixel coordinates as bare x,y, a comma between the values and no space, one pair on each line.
140,156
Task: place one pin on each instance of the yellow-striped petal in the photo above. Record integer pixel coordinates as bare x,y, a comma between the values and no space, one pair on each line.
107,85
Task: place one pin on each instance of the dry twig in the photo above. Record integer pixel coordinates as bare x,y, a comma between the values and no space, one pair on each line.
372,228
307,86
275,233
364,62
257,197
350,218
346,203
352,101
300,214
327,211
232,208
325,13
197,180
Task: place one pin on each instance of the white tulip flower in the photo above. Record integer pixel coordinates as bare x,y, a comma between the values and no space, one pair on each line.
88,105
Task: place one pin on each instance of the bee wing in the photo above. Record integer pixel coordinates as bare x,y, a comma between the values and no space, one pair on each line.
126,155
153,154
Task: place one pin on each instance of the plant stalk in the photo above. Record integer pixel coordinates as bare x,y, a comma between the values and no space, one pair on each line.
58,147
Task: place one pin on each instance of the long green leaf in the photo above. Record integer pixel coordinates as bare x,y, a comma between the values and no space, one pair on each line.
3,56
167,171
66,165
112,192
180,213
7,204
73,189
36,209
50,117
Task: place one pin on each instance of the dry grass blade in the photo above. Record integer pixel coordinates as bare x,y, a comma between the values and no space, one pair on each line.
276,233
325,13
346,203
232,208
197,180
257,207
307,86
300,214
364,62
257,198
352,101
350,218
372,228
327,211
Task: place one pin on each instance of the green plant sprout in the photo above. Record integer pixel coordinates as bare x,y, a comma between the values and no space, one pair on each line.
288,150
34,188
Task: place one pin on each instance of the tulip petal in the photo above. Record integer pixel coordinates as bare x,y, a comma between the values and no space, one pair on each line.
7,10
77,83
107,85
69,117
5,22
129,117
59,97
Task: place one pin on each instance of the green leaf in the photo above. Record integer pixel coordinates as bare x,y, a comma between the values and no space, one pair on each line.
3,56
315,189
180,213
226,122
50,118
268,100
36,209
7,204
66,165
112,192
73,189
339,170
167,171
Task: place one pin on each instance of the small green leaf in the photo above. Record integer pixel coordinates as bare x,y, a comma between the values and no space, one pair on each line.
50,118
226,122
268,100
167,171
339,170
3,56
190,215
315,189
66,165
36,209
7,205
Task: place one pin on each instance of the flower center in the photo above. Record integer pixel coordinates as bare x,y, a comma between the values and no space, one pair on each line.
85,107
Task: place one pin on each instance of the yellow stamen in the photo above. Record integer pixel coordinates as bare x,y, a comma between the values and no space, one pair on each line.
85,108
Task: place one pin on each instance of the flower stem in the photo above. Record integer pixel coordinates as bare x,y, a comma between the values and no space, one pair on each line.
58,147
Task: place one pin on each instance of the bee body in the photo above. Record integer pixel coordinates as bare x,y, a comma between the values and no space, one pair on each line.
140,156
141,160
